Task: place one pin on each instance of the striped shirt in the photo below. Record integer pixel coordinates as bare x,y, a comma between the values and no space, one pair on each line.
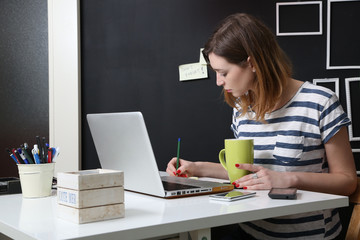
293,140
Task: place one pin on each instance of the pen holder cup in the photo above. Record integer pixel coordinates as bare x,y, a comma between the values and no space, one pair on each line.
36,179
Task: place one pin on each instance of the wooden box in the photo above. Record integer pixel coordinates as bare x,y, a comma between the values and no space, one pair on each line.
90,195
90,179
92,214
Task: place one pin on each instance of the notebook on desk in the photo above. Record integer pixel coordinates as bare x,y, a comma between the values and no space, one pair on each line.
122,143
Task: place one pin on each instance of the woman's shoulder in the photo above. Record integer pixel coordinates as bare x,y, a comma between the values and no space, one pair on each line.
310,92
311,88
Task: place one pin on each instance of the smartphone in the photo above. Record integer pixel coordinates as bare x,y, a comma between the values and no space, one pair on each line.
282,193
232,196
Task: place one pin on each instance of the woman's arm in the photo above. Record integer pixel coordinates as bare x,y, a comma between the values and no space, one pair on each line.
199,169
341,179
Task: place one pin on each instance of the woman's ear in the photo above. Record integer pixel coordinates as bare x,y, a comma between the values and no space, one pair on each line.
250,64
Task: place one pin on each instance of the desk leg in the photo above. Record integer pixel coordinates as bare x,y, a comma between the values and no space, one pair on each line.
201,234
184,236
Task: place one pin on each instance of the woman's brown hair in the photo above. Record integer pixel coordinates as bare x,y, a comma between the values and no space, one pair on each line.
240,36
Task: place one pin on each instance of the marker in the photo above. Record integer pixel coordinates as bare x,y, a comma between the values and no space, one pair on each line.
12,156
28,153
178,154
55,154
17,155
49,155
37,151
36,148
36,155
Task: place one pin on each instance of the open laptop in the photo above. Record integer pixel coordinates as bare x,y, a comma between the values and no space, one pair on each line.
122,143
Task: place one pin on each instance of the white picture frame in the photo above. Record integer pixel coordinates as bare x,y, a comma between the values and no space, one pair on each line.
328,37
349,105
325,81
278,18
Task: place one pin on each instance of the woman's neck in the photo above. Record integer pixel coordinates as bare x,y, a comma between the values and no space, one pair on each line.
288,93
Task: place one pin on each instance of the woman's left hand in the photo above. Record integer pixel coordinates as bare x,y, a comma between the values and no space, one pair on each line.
261,178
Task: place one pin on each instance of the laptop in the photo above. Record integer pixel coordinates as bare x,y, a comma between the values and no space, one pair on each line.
122,143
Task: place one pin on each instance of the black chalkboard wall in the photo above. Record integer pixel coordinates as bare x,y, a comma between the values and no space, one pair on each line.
24,78
130,53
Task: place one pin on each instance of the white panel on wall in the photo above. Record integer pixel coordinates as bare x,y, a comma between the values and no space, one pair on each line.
64,82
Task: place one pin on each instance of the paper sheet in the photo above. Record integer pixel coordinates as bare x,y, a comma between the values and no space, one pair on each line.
192,71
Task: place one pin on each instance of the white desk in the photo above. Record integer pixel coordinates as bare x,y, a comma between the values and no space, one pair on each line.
147,216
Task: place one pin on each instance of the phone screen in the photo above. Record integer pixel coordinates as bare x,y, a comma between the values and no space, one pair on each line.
234,194
231,196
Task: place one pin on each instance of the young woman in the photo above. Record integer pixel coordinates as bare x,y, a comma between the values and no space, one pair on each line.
299,129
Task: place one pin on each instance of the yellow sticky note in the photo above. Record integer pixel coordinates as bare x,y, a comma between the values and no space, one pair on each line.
192,71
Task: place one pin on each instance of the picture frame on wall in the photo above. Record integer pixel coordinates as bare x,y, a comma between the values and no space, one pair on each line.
342,44
331,83
352,86
290,20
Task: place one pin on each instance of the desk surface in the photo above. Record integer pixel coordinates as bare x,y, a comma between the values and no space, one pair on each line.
147,216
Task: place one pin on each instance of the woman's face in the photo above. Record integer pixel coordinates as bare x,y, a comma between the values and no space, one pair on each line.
233,78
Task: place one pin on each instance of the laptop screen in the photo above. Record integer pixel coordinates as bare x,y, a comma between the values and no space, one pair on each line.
122,143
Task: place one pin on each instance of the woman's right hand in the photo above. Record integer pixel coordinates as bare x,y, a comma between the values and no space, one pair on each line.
185,169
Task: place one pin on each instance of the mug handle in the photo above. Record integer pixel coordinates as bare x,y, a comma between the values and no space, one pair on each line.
222,158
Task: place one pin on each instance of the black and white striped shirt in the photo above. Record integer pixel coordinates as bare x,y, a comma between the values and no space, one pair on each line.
293,140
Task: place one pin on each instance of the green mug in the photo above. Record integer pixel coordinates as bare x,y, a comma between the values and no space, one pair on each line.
236,151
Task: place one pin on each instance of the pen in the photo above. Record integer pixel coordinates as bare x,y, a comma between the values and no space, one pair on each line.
178,154
39,150
22,155
44,150
12,155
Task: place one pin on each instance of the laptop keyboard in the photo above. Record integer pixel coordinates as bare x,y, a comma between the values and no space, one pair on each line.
169,186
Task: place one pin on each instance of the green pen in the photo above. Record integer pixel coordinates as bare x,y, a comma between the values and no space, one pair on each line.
178,154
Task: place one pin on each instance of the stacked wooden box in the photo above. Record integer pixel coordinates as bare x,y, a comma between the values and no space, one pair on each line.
90,195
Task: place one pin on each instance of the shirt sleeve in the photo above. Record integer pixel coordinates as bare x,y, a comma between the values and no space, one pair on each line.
332,118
